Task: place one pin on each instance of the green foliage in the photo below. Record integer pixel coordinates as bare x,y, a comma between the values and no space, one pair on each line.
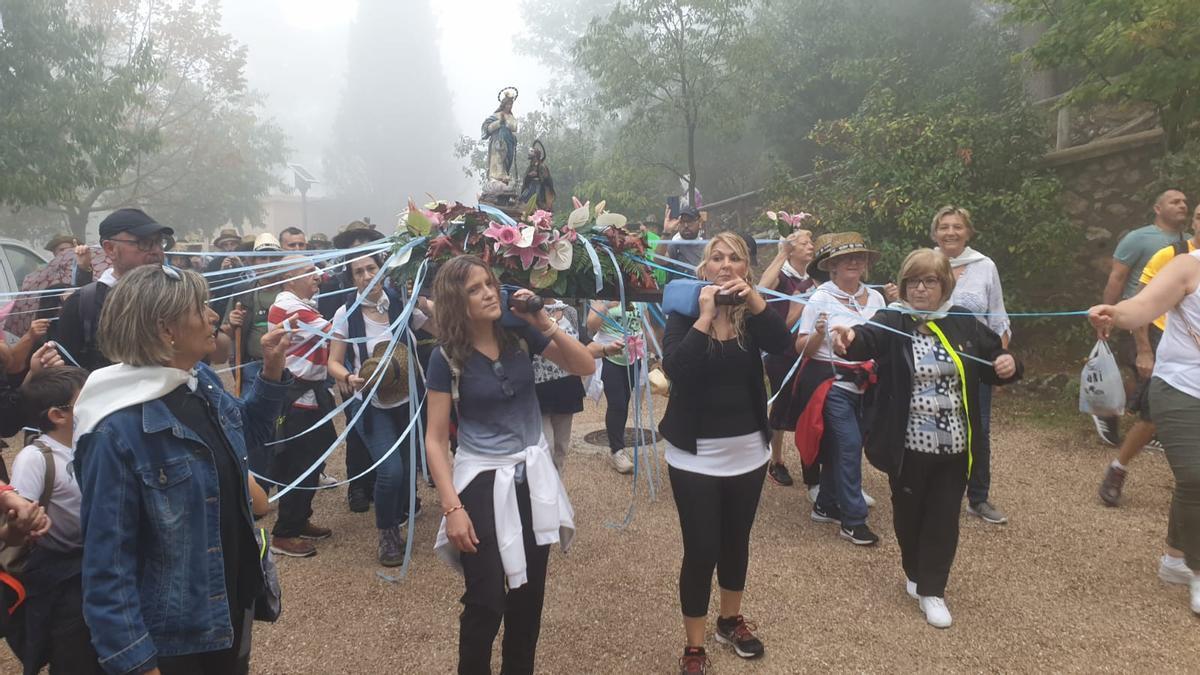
63,120
1177,170
1124,50
897,166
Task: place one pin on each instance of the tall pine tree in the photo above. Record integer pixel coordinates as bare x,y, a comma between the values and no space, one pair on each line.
394,133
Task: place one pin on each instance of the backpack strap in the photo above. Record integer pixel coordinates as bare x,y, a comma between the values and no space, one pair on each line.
89,313
1180,247
49,476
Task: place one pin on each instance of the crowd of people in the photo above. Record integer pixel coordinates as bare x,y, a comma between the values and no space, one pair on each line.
131,532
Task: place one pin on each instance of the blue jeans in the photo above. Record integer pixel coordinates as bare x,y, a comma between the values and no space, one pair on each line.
379,428
841,458
981,450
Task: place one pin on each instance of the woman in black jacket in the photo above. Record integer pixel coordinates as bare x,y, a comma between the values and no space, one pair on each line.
718,439
928,355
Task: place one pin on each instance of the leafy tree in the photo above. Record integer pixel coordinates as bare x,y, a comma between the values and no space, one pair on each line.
666,64
63,122
187,144
1124,50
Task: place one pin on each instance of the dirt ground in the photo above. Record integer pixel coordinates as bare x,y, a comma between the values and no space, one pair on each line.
1067,585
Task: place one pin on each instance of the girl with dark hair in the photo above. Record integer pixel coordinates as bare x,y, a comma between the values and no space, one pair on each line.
503,502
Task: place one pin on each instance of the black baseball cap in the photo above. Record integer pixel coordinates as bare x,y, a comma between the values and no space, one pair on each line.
689,213
133,221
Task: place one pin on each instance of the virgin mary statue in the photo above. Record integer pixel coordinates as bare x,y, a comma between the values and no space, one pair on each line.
499,130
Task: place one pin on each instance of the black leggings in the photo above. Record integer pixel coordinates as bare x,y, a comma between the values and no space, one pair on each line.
617,381
715,516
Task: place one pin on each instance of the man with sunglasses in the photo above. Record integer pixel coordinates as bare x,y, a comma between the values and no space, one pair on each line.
130,238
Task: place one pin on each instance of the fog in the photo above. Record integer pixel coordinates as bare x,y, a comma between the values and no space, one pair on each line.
427,72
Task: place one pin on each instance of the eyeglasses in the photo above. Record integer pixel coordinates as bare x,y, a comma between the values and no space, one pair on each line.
146,244
927,282
505,384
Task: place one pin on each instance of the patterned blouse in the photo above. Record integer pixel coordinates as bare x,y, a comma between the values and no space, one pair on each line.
935,419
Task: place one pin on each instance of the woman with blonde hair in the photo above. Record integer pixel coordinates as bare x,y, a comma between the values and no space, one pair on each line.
503,501
718,440
932,358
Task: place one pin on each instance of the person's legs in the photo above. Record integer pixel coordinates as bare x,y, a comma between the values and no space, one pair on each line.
378,429
739,504
698,502
980,482
483,573
938,540
908,505
523,613
616,380
842,419
557,429
295,507
358,460
71,648
1177,416
827,480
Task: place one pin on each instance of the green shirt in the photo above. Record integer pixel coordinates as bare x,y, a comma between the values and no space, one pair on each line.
652,240
257,302
1135,250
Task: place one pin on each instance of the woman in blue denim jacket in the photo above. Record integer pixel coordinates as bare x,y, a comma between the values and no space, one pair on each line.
170,564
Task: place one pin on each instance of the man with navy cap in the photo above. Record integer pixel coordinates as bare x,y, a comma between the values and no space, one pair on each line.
130,238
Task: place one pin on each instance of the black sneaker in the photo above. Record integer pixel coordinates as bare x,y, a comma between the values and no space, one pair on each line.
694,661
1109,429
860,535
779,473
735,632
822,516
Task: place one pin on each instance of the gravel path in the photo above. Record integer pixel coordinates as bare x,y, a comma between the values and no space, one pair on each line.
1068,585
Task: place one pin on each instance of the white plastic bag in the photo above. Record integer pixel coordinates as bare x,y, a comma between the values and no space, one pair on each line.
1101,391
594,386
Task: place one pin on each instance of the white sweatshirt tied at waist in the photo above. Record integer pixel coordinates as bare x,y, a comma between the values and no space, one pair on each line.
552,516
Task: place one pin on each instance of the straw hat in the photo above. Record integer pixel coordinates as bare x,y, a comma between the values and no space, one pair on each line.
836,244
226,235
393,385
59,240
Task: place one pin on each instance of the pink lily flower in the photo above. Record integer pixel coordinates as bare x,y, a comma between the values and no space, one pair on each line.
505,235
531,252
542,219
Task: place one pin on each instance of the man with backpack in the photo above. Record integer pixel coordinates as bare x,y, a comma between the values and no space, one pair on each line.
131,239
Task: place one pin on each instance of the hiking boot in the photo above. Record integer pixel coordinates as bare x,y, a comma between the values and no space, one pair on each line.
735,632
621,462
294,547
1109,429
391,547
314,533
1110,487
360,500
988,512
820,515
1174,571
936,612
693,661
859,535
777,472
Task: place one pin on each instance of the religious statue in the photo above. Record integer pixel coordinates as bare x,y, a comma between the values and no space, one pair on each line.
499,130
537,179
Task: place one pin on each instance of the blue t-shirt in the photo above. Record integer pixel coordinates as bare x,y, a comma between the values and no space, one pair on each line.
1135,250
491,420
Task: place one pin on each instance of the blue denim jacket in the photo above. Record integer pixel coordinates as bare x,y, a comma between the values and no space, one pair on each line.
153,576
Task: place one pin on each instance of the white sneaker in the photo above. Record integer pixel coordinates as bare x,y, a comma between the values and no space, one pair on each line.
813,492
327,481
936,613
1174,571
911,587
1195,593
868,499
621,462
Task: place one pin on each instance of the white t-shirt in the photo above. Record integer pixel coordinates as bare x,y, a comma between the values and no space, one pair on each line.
28,475
823,301
731,456
376,332
1177,361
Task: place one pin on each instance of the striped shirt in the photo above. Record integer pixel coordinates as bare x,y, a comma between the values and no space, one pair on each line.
307,355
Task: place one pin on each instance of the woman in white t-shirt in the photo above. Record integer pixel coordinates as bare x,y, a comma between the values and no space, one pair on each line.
829,389
1174,401
384,420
